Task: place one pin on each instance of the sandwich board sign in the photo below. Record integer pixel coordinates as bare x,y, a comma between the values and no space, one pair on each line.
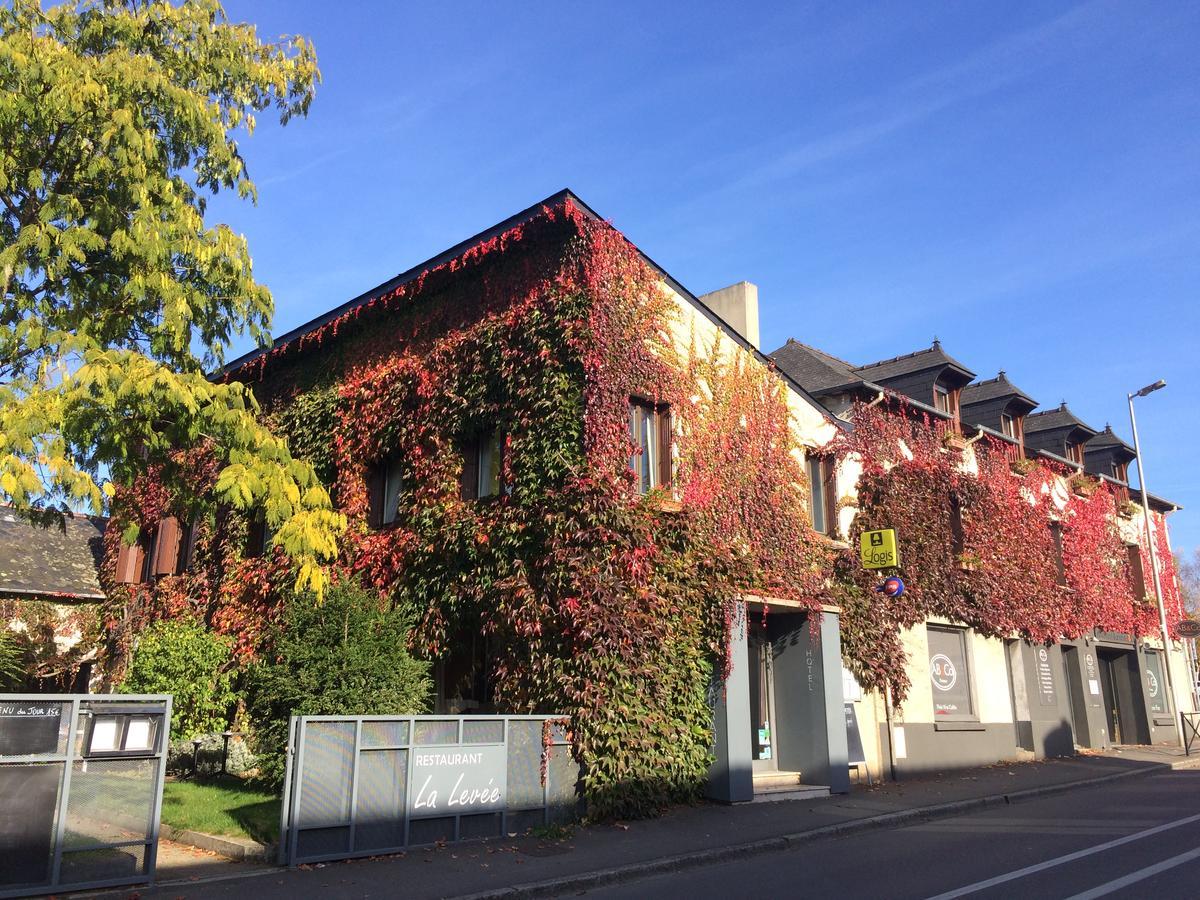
877,549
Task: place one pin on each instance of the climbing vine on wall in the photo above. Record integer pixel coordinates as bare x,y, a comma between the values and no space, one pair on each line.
996,568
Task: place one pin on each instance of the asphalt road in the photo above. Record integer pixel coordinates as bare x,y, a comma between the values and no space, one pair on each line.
1134,838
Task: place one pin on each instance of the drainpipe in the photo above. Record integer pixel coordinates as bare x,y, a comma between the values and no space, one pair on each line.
878,399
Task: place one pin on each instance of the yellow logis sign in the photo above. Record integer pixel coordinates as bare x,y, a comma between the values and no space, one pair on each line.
877,549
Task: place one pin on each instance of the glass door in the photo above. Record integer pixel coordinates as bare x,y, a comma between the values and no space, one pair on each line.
762,698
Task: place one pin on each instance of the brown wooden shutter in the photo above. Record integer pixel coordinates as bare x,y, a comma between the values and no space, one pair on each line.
663,417
376,484
470,470
1137,575
957,538
829,491
130,560
166,547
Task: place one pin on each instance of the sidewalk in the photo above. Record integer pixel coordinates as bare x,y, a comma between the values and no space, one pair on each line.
683,838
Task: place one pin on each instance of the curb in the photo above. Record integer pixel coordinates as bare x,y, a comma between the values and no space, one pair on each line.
233,848
697,858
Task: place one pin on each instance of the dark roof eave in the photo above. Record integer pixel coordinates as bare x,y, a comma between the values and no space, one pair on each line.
52,596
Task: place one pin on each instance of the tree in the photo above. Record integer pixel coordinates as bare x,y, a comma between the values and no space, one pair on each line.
117,121
348,657
194,666
1189,580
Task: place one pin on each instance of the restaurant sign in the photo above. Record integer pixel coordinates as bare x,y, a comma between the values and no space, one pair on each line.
457,779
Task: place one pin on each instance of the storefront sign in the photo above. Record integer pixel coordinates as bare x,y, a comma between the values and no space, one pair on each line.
455,779
948,673
1156,694
1189,628
29,728
877,549
1093,680
1045,678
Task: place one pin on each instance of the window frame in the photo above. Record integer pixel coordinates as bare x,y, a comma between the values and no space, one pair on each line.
822,478
962,635
651,461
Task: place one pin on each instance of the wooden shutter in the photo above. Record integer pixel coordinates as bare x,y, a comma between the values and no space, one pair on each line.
166,547
829,492
1137,575
376,482
470,470
663,417
1059,564
130,559
957,538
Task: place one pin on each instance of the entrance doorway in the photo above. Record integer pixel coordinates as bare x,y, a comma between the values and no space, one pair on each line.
1123,705
762,697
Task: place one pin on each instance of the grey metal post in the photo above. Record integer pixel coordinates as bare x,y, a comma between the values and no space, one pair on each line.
1146,514
163,739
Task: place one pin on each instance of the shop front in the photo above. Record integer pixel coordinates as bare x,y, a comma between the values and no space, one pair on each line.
780,719
1119,692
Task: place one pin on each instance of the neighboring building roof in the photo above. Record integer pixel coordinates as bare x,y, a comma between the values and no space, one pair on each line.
994,389
919,361
1108,440
1060,417
51,563
816,370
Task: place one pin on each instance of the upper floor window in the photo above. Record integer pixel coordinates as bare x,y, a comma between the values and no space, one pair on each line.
650,433
945,400
1008,426
1075,453
483,463
822,483
387,481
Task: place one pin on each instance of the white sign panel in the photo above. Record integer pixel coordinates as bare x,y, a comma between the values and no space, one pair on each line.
450,780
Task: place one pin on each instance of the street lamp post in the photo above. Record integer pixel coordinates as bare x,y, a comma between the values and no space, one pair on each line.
1162,611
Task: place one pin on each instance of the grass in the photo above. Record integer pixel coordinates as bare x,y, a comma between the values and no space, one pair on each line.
225,805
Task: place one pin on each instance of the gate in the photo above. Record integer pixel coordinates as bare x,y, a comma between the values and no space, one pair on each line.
367,785
81,780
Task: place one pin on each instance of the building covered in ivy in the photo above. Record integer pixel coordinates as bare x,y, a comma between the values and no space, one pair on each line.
597,496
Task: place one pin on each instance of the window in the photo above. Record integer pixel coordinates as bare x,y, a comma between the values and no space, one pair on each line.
650,433
958,540
946,400
483,462
385,482
822,483
1075,453
1156,685
258,536
949,675
1137,575
1056,535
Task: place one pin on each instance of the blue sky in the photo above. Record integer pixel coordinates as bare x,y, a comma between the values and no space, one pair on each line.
1021,180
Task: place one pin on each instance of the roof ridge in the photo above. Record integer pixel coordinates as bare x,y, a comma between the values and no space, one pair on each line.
900,357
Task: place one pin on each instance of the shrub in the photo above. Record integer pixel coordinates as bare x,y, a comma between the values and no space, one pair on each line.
344,657
181,658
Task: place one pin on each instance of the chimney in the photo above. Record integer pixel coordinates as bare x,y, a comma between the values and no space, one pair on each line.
737,305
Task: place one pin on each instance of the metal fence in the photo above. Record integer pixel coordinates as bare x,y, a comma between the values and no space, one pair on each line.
81,780
1189,725
366,785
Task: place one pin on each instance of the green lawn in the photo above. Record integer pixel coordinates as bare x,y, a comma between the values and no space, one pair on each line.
221,806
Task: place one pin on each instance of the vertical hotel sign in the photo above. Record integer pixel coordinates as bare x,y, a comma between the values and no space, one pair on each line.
877,549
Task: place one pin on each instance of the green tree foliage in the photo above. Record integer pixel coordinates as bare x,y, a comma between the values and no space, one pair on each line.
182,658
117,120
10,659
346,657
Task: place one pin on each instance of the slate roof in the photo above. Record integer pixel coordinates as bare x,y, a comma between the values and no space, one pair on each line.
51,563
918,361
992,389
1107,439
816,370
1059,417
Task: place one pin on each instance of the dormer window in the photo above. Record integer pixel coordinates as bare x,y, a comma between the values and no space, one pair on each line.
945,400
1074,453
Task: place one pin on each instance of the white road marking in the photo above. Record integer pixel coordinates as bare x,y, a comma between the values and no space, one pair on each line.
1108,887
1062,860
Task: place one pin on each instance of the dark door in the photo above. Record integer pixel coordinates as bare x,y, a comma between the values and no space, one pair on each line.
762,698
1109,661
